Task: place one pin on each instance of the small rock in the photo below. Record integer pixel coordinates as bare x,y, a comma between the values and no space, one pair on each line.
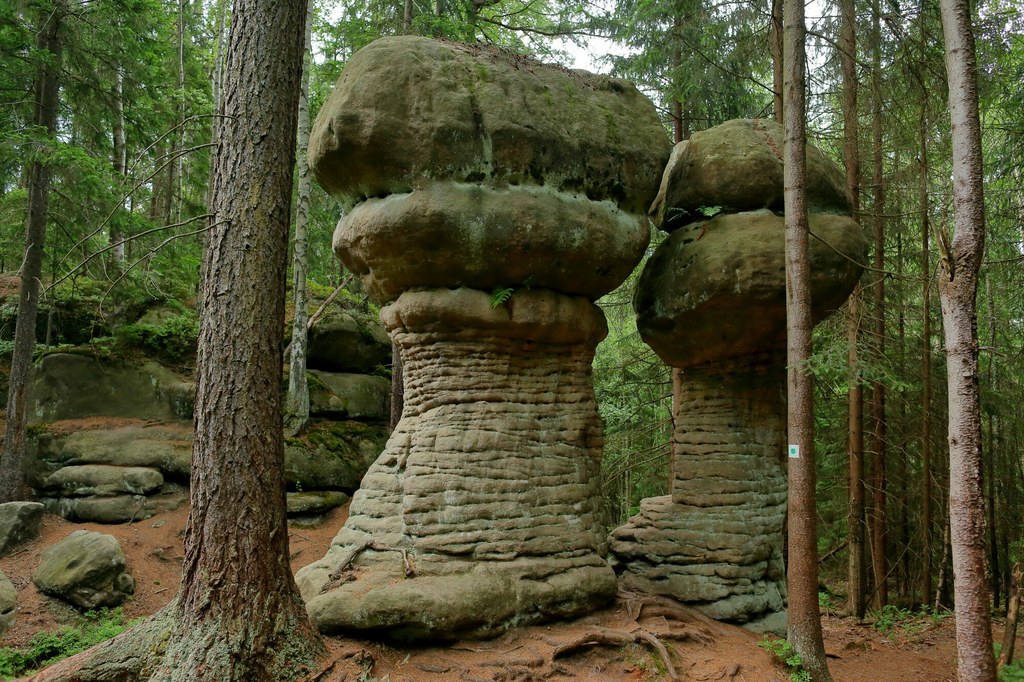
85,569
19,523
8,597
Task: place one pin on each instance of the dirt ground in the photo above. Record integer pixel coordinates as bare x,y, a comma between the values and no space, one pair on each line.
618,643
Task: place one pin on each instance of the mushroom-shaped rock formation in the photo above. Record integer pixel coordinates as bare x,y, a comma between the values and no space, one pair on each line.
495,198
711,301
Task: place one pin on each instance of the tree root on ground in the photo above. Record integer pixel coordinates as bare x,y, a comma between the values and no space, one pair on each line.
613,637
130,656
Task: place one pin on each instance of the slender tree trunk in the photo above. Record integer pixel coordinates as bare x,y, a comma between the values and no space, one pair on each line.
47,89
926,371
855,396
1012,616
990,459
775,40
120,164
804,626
239,615
877,402
296,408
958,290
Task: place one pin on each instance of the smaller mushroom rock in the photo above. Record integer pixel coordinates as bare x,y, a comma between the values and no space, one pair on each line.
712,302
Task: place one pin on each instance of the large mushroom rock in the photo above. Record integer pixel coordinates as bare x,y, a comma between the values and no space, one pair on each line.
711,301
499,199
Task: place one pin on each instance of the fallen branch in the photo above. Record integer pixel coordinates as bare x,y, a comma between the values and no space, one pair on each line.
618,638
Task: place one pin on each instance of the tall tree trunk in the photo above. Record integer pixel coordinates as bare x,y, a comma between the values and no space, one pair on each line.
775,39
239,611
47,90
958,290
804,626
296,407
120,165
855,397
1012,616
926,370
877,402
990,458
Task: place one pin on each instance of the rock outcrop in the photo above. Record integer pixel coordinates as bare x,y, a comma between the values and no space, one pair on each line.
112,440
86,570
496,199
711,301
19,523
8,600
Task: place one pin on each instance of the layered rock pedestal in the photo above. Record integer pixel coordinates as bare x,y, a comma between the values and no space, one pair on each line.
495,199
711,301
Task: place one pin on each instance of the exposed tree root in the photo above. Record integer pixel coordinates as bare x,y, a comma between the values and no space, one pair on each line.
613,637
130,656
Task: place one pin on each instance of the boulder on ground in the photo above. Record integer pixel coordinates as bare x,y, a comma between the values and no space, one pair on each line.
332,455
165,448
8,598
348,342
315,502
19,523
85,569
349,396
116,509
102,480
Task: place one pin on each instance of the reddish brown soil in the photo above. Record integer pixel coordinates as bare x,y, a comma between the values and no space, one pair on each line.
923,651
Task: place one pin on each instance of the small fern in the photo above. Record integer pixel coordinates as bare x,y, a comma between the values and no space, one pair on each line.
501,295
787,655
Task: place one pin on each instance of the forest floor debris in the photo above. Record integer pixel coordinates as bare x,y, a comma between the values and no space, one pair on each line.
638,638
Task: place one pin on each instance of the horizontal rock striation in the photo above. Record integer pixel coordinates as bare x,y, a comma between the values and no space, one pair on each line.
496,460
714,541
495,199
712,302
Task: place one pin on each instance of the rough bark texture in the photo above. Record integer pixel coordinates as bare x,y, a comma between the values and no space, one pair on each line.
711,301
958,290
520,179
239,615
47,88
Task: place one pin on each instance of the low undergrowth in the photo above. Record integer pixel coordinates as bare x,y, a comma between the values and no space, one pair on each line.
49,647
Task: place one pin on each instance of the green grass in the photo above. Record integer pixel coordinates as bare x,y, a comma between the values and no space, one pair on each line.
49,647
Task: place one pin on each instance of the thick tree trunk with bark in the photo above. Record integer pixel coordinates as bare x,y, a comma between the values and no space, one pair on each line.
47,88
958,290
239,615
804,627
